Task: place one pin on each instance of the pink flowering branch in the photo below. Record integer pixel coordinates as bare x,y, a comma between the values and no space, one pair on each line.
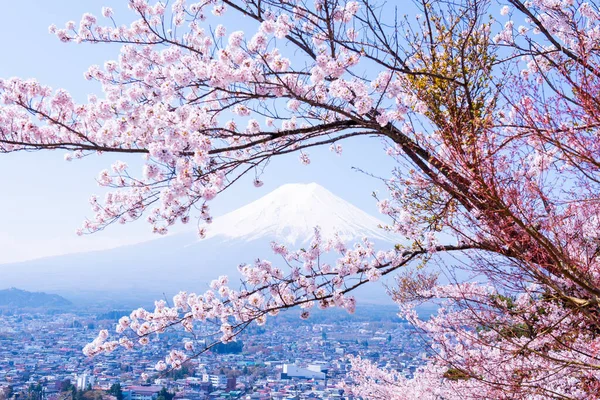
266,291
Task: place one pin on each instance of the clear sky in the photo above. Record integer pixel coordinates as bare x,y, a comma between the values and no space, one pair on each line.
44,198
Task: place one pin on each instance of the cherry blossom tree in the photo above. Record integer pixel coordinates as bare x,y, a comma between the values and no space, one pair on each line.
489,108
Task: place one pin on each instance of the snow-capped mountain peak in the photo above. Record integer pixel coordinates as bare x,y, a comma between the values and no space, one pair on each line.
183,262
290,214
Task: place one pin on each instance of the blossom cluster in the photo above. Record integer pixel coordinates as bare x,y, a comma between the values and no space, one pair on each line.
267,289
171,105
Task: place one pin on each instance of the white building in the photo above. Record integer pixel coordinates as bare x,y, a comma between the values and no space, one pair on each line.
85,380
216,380
293,371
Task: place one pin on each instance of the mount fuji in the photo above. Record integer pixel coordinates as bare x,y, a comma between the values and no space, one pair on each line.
145,271
290,213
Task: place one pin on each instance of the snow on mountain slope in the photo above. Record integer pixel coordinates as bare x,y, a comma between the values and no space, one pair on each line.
184,262
290,214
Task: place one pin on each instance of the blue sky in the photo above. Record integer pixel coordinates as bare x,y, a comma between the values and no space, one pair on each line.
44,198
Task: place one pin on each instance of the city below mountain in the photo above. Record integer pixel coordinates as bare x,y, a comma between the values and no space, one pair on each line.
182,261
16,298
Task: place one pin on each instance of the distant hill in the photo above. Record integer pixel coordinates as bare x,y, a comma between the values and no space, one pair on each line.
17,298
